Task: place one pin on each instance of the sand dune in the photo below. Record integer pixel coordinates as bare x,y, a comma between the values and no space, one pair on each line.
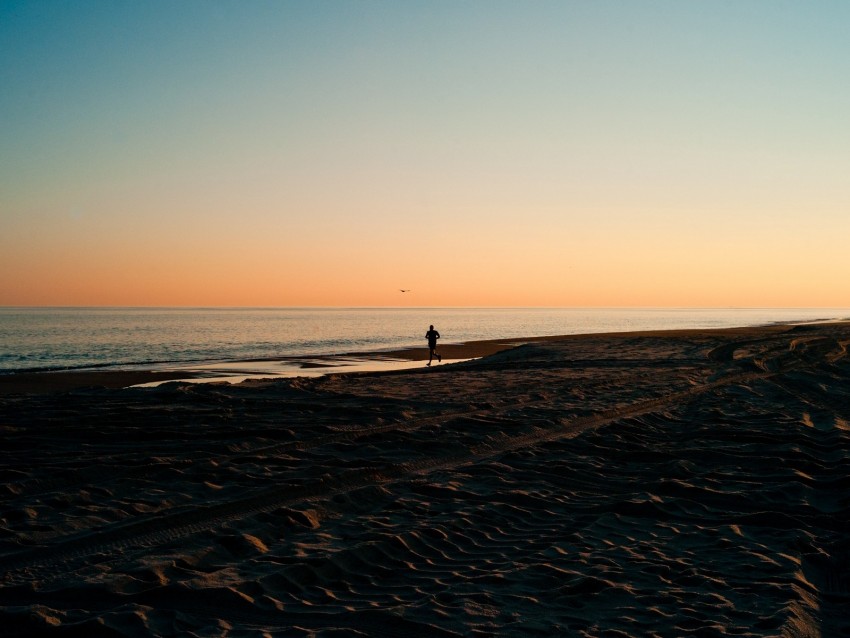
657,484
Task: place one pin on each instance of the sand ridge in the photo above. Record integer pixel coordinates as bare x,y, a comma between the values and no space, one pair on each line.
639,484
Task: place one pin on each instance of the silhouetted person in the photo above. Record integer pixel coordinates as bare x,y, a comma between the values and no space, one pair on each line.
432,336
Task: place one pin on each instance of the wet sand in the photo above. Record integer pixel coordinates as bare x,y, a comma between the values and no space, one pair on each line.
692,483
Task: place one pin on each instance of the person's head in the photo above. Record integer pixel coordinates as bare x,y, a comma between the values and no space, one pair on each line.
431,328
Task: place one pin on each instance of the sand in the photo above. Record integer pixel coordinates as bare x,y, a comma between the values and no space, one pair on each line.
658,484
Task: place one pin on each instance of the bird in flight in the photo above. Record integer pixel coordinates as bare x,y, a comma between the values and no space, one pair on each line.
403,290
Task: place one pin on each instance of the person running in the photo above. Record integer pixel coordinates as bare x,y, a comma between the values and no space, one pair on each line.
432,336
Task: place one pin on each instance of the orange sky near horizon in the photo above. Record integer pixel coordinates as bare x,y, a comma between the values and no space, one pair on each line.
718,265
649,154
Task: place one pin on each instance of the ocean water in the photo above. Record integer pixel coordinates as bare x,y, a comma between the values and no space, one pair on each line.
77,338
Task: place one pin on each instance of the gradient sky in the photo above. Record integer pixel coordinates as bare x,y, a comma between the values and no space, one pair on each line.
570,153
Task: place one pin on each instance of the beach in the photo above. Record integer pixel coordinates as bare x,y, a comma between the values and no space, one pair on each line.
676,483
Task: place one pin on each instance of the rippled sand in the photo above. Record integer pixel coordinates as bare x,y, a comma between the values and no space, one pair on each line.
658,484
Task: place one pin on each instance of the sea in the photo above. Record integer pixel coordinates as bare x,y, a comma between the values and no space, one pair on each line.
45,339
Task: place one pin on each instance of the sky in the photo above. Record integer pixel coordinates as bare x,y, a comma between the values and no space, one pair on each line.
633,153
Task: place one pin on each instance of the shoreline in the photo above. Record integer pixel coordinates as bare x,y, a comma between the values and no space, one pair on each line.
309,365
302,365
